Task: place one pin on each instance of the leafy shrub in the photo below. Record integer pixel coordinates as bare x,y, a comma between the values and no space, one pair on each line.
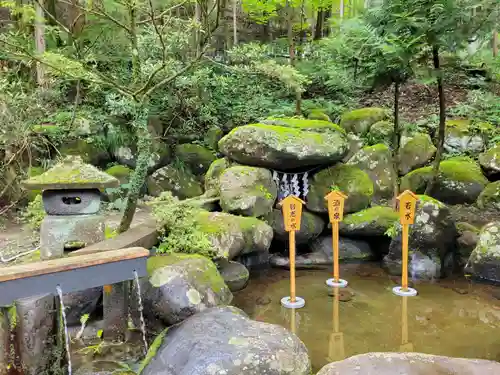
34,214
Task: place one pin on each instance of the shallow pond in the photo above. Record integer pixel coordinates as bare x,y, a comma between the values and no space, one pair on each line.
449,317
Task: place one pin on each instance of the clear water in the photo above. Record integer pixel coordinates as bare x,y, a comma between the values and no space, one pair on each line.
141,308
448,317
66,335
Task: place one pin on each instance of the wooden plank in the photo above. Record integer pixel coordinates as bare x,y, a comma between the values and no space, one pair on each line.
71,263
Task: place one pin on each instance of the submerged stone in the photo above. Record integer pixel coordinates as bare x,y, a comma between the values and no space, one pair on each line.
223,340
235,275
484,261
409,364
282,147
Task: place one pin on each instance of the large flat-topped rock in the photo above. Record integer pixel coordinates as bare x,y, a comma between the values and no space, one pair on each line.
72,173
284,147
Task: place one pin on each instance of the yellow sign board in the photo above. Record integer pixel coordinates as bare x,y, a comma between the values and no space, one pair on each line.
336,201
407,207
292,212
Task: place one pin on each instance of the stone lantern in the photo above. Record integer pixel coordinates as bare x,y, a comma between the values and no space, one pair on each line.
71,199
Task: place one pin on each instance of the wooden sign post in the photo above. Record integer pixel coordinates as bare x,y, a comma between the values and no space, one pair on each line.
292,213
407,205
335,200
336,351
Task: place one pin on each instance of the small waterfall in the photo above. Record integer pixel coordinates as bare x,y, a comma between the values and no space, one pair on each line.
66,335
141,308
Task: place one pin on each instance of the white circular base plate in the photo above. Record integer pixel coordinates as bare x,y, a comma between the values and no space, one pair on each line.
337,284
299,302
398,290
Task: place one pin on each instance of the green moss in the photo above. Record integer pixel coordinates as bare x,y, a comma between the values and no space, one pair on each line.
153,350
490,196
72,173
196,157
284,134
428,199
376,148
12,312
462,227
304,124
458,126
360,120
384,216
318,114
119,171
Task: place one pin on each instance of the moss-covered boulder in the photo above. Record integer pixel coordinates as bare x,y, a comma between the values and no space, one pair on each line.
381,132
223,340
460,180
374,221
464,136
160,155
181,182
415,151
376,161
282,147
197,158
431,243
318,114
181,285
120,172
490,160
235,275
311,226
484,261
88,151
247,191
212,138
352,251
233,236
349,179
316,125
214,171
360,120
490,196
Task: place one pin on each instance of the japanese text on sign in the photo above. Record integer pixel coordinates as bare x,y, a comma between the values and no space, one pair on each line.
407,205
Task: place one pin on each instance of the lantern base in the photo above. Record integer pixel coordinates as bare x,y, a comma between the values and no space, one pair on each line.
299,302
410,292
337,284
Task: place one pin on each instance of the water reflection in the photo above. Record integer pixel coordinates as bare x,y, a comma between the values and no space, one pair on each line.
336,350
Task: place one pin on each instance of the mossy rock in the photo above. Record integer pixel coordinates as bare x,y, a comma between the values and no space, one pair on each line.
376,161
235,275
360,120
88,151
181,285
160,155
121,172
373,221
197,158
490,196
311,226
381,132
212,138
415,151
484,261
460,180
490,160
214,171
356,143
463,136
247,191
315,125
318,114
283,148
349,179
181,182
431,241
233,235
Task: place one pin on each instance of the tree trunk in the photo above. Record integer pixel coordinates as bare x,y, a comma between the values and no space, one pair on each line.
442,122
495,43
197,16
39,42
291,51
140,172
319,26
395,144
235,22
